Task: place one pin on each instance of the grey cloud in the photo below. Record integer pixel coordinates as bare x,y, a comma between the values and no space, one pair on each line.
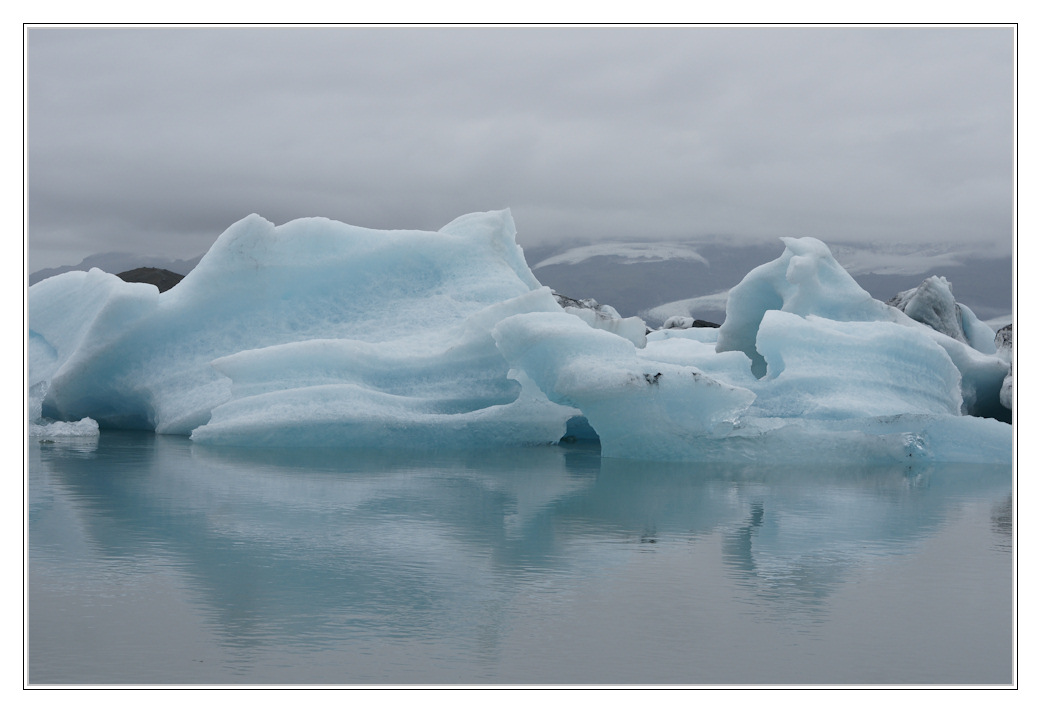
153,140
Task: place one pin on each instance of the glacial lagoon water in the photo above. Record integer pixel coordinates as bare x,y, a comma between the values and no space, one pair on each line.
156,561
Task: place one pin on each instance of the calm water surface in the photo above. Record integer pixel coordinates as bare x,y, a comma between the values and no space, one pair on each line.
156,561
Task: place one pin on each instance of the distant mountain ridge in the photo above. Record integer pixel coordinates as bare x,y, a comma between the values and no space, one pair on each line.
647,279
635,283
117,262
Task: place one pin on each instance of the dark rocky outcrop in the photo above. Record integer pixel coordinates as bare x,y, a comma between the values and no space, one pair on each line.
163,279
681,322
565,301
602,311
116,262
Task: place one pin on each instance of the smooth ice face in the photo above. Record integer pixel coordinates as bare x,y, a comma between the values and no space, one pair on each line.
824,369
805,280
450,389
306,327
636,404
77,324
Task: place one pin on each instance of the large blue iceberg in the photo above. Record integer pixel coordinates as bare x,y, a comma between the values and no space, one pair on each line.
316,333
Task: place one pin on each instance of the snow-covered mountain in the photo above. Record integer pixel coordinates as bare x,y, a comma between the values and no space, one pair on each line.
625,252
660,280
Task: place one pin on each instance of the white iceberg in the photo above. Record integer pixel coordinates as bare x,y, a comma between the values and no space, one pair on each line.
316,333
85,428
807,281
630,399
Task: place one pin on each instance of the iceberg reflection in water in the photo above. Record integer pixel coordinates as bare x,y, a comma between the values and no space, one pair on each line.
153,560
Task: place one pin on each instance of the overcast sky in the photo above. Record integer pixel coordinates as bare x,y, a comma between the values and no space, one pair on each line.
154,141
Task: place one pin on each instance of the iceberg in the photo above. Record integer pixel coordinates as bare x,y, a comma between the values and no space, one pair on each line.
933,303
320,334
313,332
807,281
1003,346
